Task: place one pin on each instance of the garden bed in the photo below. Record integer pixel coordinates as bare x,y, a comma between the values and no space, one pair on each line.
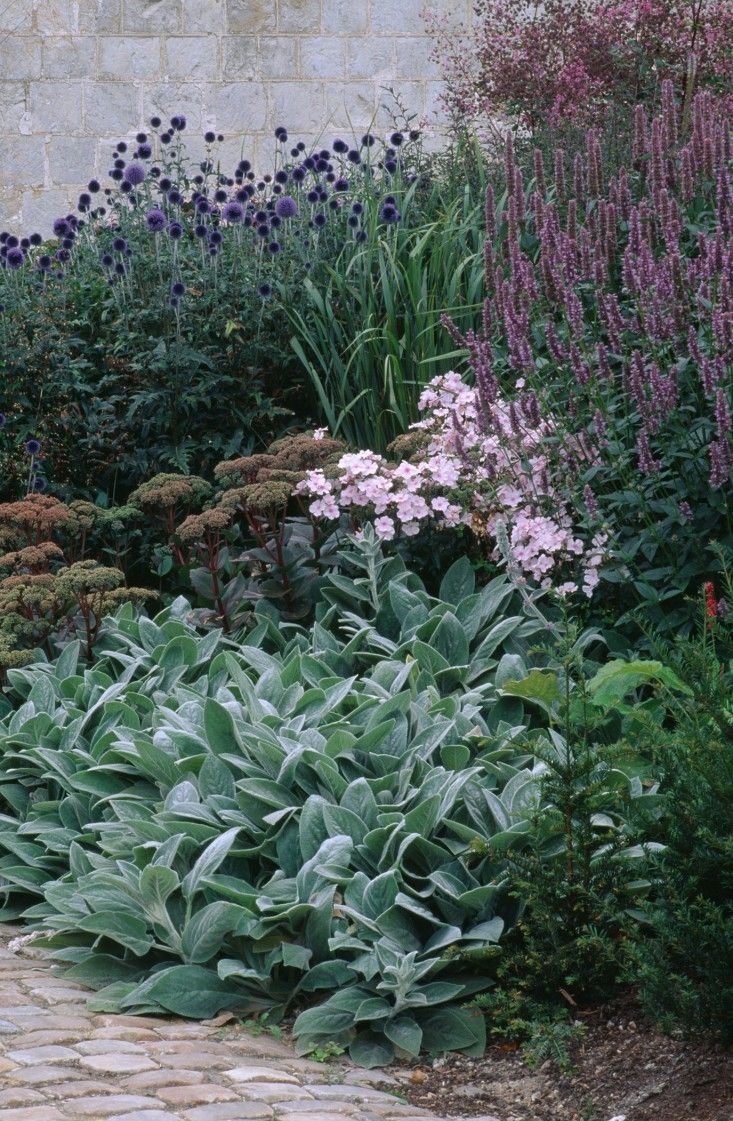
623,1068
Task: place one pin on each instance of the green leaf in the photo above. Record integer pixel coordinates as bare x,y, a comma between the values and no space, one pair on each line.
210,859
187,990
459,582
128,930
405,1033
617,679
371,1050
540,686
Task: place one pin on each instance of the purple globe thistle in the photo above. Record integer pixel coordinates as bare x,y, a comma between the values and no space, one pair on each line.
200,231
396,138
115,174
390,166
119,245
353,221
39,483
32,446
60,227
357,208
360,235
125,187
164,183
156,220
281,176
286,207
178,123
107,260
165,138
263,230
178,289
44,262
216,237
233,213
274,247
321,164
313,196
341,184
265,290
353,156
155,122
12,242
121,147
15,258
135,174
209,137
220,195
36,239
281,134
85,201
175,198
120,163
145,151
340,146
320,219
414,134
299,174
367,140
175,231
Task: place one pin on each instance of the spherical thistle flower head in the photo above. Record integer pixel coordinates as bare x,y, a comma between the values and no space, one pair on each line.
274,247
320,219
60,227
353,156
135,174
85,201
299,174
178,122
155,220
334,204
119,245
115,174
244,165
313,196
414,134
390,166
281,176
155,122
25,243
107,260
209,137
178,289
309,162
265,291
175,231
389,213
360,235
396,138
12,242
44,262
119,163
286,207
35,239
164,183
357,208
32,446
341,184
367,140
165,138
340,146
144,152
220,195
275,222
121,268
126,187
175,198
263,230
353,221
213,250
233,213
321,164
15,258
121,147
39,484
281,134
200,231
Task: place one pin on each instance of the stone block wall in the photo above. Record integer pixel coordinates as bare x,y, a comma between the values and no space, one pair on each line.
78,75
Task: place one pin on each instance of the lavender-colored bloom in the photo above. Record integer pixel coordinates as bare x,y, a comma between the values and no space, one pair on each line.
299,174
85,201
216,237
367,140
281,134
178,122
353,156
233,213
390,166
200,231
209,137
155,220
281,176
178,289
286,207
44,262
396,138
320,219
685,511
32,446
340,146
35,239
265,290
15,258
119,245
145,151
60,227
341,184
360,235
115,174
175,231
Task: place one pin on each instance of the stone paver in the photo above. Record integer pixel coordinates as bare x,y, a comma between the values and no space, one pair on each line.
60,1062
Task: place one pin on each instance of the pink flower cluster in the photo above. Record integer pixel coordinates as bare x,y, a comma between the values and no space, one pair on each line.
482,466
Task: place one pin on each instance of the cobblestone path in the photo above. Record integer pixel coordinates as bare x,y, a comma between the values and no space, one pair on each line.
60,1062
